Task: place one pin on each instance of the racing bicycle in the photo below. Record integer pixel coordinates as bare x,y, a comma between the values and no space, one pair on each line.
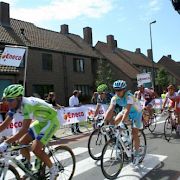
120,149
62,156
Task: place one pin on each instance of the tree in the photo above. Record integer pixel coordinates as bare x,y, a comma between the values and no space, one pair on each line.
162,78
104,74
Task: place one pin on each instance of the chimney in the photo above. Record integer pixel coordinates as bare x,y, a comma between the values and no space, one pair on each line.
138,50
115,43
111,42
22,31
149,54
169,56
64,29
4,14
87,31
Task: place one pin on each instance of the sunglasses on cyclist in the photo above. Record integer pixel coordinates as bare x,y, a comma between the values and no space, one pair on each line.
118,90
10,100
102,93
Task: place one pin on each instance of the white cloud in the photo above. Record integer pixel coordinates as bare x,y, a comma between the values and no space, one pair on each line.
63,10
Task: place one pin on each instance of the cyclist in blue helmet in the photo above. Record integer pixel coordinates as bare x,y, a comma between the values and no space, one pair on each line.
132,110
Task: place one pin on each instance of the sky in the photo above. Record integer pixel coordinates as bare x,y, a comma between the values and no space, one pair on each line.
128,20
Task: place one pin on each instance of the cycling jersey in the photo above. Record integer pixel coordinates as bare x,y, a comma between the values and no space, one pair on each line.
147,94
175,97
107,100
45,118
135,113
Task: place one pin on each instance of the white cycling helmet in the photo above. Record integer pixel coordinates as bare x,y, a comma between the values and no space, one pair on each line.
119,84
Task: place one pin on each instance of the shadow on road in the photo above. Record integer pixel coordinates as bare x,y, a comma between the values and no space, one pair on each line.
161,174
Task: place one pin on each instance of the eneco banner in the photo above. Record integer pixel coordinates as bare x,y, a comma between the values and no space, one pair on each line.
12,56
67,115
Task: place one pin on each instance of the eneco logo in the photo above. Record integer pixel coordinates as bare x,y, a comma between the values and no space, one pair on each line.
7,56
69,115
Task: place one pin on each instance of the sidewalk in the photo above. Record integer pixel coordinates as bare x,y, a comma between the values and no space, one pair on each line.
64,135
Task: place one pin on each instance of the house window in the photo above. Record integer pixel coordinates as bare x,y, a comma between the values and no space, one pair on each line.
42,90
83,88
78,65
47,62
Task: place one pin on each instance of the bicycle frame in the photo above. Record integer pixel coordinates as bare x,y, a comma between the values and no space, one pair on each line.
4,168
119,139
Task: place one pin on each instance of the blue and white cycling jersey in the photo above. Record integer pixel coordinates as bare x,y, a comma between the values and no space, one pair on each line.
135,113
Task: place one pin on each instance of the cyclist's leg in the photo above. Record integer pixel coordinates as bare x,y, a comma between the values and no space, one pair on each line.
42,138
137,124
149,106
25,140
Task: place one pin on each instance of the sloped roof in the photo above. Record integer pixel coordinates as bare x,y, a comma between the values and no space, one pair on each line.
43,38
170,65
136,58
115,58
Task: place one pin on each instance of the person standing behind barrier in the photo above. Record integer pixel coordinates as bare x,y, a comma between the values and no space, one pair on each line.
163,95
74,102
4,108
51,99
94,98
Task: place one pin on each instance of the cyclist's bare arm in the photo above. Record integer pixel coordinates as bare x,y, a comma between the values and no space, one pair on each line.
164,103
5,123
97,110
126,112
25,126
109,114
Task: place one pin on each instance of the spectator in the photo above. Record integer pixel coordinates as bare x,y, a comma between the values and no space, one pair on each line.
51,99
74,102
163,95
3,109
94,98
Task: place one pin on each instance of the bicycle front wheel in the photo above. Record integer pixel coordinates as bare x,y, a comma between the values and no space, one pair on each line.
12,173
64,158
96,142
168,129
112,159
152,123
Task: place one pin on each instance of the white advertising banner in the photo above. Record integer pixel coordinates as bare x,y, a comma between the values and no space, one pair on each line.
14,126
67,115
12,56
143,78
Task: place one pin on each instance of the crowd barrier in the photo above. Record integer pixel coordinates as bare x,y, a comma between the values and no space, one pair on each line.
67,116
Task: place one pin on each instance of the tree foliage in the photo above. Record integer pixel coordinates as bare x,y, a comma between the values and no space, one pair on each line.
162,78
104,74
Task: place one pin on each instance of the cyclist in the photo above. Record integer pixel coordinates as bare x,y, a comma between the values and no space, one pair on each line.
132,110
148,95
103,97
174,103
39,132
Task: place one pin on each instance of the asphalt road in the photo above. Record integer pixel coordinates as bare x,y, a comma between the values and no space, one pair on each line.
162,161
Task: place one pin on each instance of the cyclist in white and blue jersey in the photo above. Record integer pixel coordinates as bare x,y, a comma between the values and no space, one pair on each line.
132,111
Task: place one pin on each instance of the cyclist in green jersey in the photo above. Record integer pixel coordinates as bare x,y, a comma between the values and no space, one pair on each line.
39,132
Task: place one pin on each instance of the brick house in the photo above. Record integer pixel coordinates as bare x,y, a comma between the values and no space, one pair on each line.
57,61
125,64
172,67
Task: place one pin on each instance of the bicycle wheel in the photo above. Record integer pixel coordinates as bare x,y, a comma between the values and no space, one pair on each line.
142,146
65,160
168,129
112,159
12,173
152,123
96,142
